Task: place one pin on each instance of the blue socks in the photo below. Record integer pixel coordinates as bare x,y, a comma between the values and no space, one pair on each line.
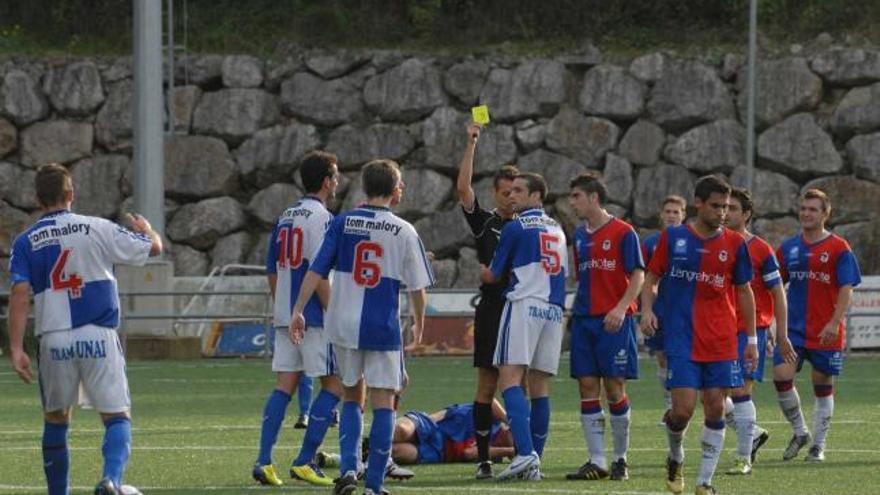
117,448
319,421
304,394
518,416
273,415
380,447
351,421
56,458
540,423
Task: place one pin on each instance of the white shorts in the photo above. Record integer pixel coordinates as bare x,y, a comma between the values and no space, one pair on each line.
89,355
530,334
380,369
314,356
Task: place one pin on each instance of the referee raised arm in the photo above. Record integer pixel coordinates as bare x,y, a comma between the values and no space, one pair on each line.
486,226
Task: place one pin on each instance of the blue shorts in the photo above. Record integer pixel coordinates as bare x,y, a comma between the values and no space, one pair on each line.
758,374
827,362
429,438
597,352
682,372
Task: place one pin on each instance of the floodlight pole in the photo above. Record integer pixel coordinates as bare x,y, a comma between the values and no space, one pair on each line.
149,147
750,95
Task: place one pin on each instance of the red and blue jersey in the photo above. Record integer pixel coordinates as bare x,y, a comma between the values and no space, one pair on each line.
766,276
604,260
700,310
815,273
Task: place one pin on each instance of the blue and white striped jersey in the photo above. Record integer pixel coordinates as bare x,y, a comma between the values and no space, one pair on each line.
295,240
375,254
68,260
532,248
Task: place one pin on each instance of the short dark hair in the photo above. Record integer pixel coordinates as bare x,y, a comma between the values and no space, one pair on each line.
507,172
590,182
709,184
744,197
821,196
534,183
675,199
380,177
316,166
51,182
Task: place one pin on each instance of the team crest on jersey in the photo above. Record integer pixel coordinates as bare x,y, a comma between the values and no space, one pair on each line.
824,257
794,251
606,244
681,246
722,255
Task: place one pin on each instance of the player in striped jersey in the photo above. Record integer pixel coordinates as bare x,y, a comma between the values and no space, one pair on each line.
293,245
709,271
532,251
672,214
821,271
770,303
610,272
373,254
67,260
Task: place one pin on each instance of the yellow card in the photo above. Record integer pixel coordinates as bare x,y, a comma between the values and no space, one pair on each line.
480,114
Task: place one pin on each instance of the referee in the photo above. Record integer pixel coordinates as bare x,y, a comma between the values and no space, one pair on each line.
486,227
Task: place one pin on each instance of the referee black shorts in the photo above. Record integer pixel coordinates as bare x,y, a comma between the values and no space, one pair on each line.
487,319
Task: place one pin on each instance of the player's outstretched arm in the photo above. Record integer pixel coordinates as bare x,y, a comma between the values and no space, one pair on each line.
780,311
844,298
419,302
466,169
139,224
648,324
614,318
19,303
745,300
297,320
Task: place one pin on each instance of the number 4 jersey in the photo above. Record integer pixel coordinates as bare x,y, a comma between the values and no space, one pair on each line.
373,254
295,241
68,260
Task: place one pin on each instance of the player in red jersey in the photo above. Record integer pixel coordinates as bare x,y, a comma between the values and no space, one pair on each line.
770,303
709,270
610,271
821,271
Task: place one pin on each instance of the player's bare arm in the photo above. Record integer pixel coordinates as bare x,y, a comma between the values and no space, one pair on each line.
19,304
419,301
648,324
614,318
830,332
781,314
466,168
323,291
272,279
745,300
297,320
141,225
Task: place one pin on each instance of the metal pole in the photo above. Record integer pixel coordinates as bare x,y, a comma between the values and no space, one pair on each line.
750,111
149,188
170,40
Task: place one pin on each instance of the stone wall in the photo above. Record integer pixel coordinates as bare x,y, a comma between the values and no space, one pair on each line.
651,126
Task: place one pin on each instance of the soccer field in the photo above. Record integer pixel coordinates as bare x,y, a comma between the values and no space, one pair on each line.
196,429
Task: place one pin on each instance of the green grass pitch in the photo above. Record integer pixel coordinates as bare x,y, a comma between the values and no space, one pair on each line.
196,429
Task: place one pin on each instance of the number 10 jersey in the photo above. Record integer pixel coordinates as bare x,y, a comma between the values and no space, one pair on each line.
374,254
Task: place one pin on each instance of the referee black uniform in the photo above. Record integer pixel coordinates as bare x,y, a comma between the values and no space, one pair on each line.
486,227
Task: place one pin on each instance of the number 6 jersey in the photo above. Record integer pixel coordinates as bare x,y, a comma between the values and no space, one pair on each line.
373,253
294,243
68,260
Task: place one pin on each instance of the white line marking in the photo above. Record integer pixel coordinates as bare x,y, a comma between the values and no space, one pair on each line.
512,487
